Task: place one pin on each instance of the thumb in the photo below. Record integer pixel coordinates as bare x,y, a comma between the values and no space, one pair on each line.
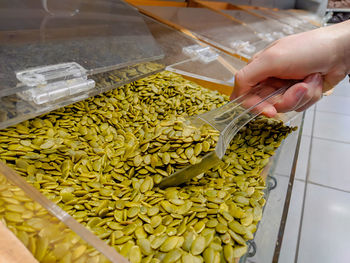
299,94
255,72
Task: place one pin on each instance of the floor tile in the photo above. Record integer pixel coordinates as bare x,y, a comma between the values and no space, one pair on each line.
286,157
325,229
308,121
329,164
335,104
332,126
290,236
303,158
342,89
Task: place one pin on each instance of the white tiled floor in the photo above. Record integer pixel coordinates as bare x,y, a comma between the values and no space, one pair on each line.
284,165
318,224
342,89
335,104
329,164
332,126
325,230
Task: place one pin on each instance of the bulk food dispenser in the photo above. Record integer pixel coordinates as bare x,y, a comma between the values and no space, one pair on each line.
69,195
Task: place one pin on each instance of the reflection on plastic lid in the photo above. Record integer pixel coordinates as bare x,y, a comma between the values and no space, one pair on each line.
266,36
238,44
278,35
204,54
288,30
243,46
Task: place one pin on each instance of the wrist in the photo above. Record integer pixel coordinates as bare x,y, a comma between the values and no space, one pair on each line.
340,35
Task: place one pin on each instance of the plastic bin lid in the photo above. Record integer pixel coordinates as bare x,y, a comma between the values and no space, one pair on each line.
44,40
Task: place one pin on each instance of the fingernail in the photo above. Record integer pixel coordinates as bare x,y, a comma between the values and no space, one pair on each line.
316,77
269,111
300,93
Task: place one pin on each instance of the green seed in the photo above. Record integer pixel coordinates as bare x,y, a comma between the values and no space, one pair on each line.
237,227
220,228
156,221
239,251
188,258
145,246
13,217
209,254
189,238
199,226
135,254
173,256
169,244
158,241
198,245
212,223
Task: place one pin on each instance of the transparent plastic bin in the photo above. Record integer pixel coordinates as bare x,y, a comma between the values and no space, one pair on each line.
266,29
211,27
48,232
51,52
285,17
54,217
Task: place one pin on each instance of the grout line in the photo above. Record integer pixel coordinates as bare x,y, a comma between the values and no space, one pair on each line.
332,112
285,175
330,187
332,140
300,180
303,180
305,190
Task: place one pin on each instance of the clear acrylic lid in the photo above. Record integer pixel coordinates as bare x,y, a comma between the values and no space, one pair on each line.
285,17
192,58
94,36
212,27
55,86
264,27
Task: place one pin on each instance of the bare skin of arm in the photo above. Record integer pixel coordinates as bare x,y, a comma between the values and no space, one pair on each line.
318,59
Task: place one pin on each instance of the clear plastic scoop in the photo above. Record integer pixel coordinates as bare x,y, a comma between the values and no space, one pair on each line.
228,120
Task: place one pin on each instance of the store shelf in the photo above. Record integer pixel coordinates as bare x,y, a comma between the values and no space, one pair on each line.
345,10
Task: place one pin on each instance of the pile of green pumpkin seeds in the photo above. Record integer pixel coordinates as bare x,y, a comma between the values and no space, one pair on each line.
48,239
101,159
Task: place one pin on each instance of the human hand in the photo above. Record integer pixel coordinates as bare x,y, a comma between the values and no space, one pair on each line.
318,59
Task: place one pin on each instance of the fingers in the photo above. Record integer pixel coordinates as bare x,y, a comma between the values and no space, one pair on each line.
264,107
298,97
256,71
316,96
301,95
291,98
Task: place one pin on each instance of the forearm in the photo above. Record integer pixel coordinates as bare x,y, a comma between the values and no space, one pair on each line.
340,33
